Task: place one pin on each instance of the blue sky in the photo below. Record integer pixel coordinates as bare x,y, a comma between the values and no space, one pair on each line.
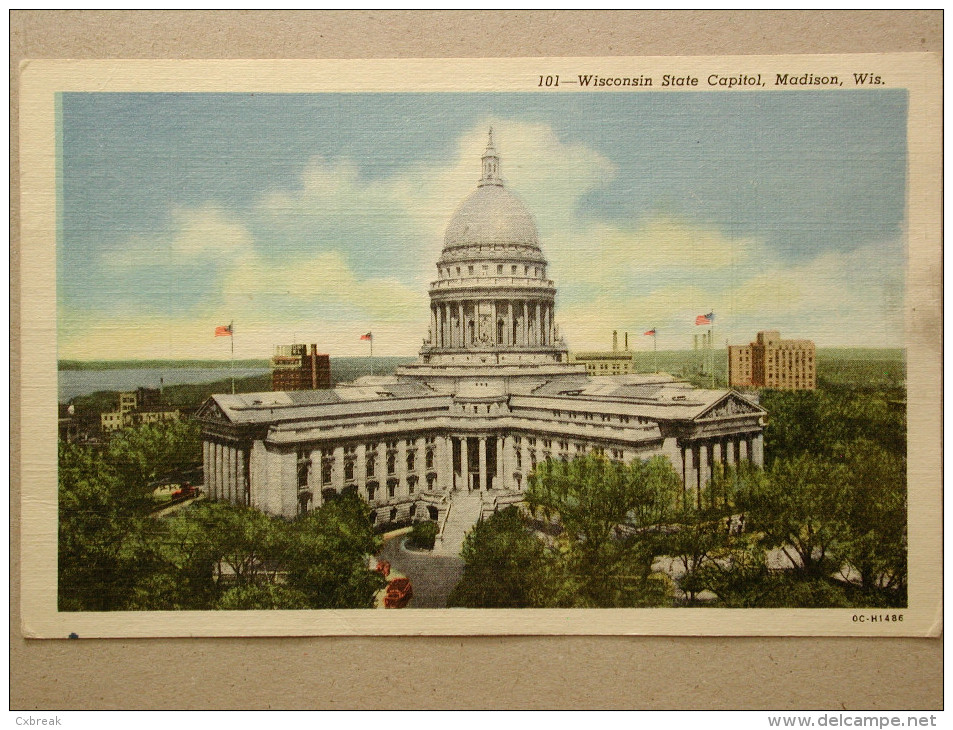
319,217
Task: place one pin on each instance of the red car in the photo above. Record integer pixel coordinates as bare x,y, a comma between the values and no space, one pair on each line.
399,593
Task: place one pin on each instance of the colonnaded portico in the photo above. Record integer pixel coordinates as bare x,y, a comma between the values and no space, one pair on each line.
490,397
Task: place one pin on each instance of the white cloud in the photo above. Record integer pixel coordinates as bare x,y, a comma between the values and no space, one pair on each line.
346,253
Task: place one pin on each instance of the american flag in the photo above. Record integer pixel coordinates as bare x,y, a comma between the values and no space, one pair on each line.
705,319
223,331
651,332
368,336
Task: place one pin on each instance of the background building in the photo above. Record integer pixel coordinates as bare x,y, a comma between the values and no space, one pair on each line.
293,367
770,362
138,407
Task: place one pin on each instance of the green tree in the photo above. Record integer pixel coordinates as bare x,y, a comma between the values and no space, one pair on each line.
613,517
98,512
142,454
801,509
327,559
705,527
877,520
270,596
505,566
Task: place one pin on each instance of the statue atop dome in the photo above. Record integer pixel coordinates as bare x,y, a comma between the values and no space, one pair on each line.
491,164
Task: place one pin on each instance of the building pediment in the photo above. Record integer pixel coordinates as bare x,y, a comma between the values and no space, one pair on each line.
212,411
731,405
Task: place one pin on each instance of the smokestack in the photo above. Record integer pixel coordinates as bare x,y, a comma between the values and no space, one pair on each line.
615,340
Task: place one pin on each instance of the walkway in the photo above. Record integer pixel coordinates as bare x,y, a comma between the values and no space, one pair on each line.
433,576
464,512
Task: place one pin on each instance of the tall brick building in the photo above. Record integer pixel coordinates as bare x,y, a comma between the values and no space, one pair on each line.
770,362
294,368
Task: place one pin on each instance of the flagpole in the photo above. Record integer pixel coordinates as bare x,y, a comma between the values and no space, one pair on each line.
231,329
711,351
655,347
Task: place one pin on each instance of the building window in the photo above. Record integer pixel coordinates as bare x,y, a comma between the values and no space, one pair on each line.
349,470
411,460
391,489
391,464
470,270
513,270
519,459
370,494
326,471
430,459
499,268
369,467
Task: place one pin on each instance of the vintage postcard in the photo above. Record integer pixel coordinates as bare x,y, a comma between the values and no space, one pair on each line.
522,346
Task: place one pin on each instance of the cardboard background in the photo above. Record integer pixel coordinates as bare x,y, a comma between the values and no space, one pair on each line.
484,672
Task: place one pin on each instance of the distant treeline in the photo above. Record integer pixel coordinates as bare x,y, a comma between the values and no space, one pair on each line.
357,364
191,395
157,364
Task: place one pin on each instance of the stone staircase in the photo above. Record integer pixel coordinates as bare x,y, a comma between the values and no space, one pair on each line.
465,509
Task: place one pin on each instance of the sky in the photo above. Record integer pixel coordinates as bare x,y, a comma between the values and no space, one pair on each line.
319,217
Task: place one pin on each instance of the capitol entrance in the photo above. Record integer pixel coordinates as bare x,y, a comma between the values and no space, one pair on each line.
475,462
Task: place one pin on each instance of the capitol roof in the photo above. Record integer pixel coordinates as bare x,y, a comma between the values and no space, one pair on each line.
491,215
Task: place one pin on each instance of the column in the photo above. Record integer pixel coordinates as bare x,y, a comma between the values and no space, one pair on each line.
704,471
482,463
493,323
527,464
445,473
447,325
462,334
744,452
524,328
757,450
731,456
206,468
499,481
230,474
692,457
220,471
717,452
509,458
545,331
314,476
401,468
360,467
510,332
380,470
539,323
337,469
464,463
241,482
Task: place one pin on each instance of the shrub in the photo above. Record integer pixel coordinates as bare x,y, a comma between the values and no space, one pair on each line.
423,535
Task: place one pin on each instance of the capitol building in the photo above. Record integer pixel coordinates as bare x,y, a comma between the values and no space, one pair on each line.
491,395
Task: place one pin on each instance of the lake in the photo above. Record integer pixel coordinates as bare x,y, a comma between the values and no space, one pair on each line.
74,383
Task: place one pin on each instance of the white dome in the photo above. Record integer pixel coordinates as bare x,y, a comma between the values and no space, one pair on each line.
491,215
